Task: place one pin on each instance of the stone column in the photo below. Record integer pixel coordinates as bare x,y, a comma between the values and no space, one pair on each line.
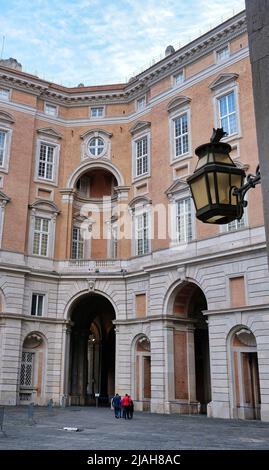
158,373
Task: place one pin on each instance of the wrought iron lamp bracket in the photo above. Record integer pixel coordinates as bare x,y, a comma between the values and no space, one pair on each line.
251,182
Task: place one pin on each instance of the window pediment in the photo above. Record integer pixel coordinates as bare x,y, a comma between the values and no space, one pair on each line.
49,132
96,132
6,117
177,103
45,206
140,126
223,79
4,198
177,186
139,201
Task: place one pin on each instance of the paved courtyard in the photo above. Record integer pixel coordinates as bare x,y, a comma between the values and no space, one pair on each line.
99,430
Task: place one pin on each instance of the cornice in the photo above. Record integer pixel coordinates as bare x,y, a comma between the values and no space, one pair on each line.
191,52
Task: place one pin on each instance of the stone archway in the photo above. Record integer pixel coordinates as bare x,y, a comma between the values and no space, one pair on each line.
245,373
192,388
92,351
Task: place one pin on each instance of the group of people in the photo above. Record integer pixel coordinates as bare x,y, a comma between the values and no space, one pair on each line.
123,407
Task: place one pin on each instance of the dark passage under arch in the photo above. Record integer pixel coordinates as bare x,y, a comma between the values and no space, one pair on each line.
92,351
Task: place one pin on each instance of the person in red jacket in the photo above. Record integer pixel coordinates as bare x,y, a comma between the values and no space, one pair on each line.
125,406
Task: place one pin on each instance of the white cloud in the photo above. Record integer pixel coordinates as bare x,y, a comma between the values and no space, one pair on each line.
102,41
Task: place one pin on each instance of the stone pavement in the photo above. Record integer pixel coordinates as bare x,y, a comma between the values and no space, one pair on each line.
99,430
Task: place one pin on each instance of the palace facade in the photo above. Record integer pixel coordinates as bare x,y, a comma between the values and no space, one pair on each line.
108,283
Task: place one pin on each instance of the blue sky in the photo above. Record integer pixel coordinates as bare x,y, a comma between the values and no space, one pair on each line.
102,41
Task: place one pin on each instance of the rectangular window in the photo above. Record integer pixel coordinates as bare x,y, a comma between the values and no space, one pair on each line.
141,103
141,156
179,78
46,162
77,244
142,234
2,147
4,94
97,112
37,305
50,109
181,135
227,113
27,364
41,236
223,54
184,221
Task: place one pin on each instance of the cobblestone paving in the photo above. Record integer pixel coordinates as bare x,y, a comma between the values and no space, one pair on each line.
99,430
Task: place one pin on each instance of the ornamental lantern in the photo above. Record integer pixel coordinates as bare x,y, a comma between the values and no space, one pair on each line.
215,183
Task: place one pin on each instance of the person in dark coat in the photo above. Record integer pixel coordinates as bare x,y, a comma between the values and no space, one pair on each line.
131,407
116,402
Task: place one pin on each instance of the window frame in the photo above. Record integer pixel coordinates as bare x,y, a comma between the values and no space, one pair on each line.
38,295
138,106
138,138
225,90
185,241
79,241
217,51
176,75
137,213
41,233
56,156
97,107
4,166
8,90
51,105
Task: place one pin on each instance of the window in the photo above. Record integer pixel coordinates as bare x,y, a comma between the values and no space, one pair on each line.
51,110
46,162
227,113
3,136
237,224
181,135
142,233
77,244
184,225
141,146
27,363
41,236
97,112
96,146
37,305
141,103
223,54
179,78
4,94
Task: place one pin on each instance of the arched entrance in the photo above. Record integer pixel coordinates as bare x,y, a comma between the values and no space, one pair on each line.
92,351
246,384
191,349
33,369
142,389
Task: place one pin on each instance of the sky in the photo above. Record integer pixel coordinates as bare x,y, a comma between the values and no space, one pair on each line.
98,42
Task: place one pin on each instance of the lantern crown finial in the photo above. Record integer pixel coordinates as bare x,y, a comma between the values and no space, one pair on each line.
217,135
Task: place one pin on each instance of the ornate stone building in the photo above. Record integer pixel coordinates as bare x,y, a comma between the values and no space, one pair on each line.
108,282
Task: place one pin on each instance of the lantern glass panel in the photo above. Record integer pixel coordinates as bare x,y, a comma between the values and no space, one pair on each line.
211,181
224,187
202,161
199,192
223,158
